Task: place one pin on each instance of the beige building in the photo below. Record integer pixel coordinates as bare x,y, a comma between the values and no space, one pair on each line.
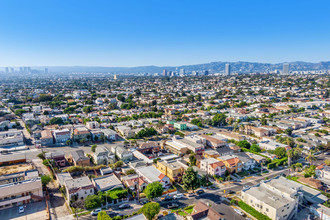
277,198
18,193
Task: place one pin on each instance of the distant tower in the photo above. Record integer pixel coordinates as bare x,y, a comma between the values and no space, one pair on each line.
115,77
206,72
182,72
7,69
21,69
164,72
227,69
46,70
12,69
286,68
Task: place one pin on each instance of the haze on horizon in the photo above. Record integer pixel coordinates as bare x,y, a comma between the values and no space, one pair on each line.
170,33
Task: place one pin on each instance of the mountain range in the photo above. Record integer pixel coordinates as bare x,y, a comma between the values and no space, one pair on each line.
213,67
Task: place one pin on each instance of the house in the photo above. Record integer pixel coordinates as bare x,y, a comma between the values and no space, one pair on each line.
107,182
92,124
223,151
61,136
125,131
214,141
210,153
151,174
122,153
79,159
233,164
181,126
172,169
216,169
57,157
134,182
109,134
176,147
81,133
62,177
247,161
204,211
46,138
271,145
192,142
78,189
102,155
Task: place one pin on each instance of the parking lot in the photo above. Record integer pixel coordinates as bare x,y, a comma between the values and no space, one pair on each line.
32,211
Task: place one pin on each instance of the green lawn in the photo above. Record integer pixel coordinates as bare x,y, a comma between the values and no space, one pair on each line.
189,209
182,213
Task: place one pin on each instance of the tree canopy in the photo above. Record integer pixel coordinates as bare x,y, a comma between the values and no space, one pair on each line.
150,210
190,179
154,190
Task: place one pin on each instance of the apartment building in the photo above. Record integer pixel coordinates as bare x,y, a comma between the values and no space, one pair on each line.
277,198
21,192
172,169
11,138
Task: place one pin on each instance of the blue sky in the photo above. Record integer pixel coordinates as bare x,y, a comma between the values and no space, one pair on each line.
159,32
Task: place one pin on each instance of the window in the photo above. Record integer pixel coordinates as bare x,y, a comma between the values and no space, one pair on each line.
91,190
267,210
285,216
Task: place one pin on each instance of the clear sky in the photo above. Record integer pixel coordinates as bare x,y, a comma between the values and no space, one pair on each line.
162,32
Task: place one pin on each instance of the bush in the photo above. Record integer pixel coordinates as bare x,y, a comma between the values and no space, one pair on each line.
92,202
252,211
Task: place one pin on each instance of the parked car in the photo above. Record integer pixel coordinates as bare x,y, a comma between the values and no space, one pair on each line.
172,206
124,206
95,212
191,195
178,196
230,192
239,212
21,209
167,198
200,191
327,153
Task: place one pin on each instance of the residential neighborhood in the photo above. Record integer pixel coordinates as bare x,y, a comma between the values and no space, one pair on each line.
191,147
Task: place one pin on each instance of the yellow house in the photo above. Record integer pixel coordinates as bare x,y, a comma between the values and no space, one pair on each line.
172,169
210,154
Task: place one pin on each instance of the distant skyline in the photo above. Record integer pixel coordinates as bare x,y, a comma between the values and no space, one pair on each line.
162,33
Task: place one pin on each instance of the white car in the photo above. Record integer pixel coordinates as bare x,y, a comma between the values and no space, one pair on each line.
239,212
96,211
178,196
21,209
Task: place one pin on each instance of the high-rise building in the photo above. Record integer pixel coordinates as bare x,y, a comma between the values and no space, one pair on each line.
7,69
227,69
182,72
206,72
21,69
46,70
115,77
286,68
164,72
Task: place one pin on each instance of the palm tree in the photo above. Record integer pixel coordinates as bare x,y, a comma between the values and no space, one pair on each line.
310,158
290,156
298,166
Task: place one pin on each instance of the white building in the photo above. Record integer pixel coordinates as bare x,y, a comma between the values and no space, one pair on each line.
61,136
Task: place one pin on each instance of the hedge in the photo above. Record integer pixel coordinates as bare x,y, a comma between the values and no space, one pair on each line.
252,211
